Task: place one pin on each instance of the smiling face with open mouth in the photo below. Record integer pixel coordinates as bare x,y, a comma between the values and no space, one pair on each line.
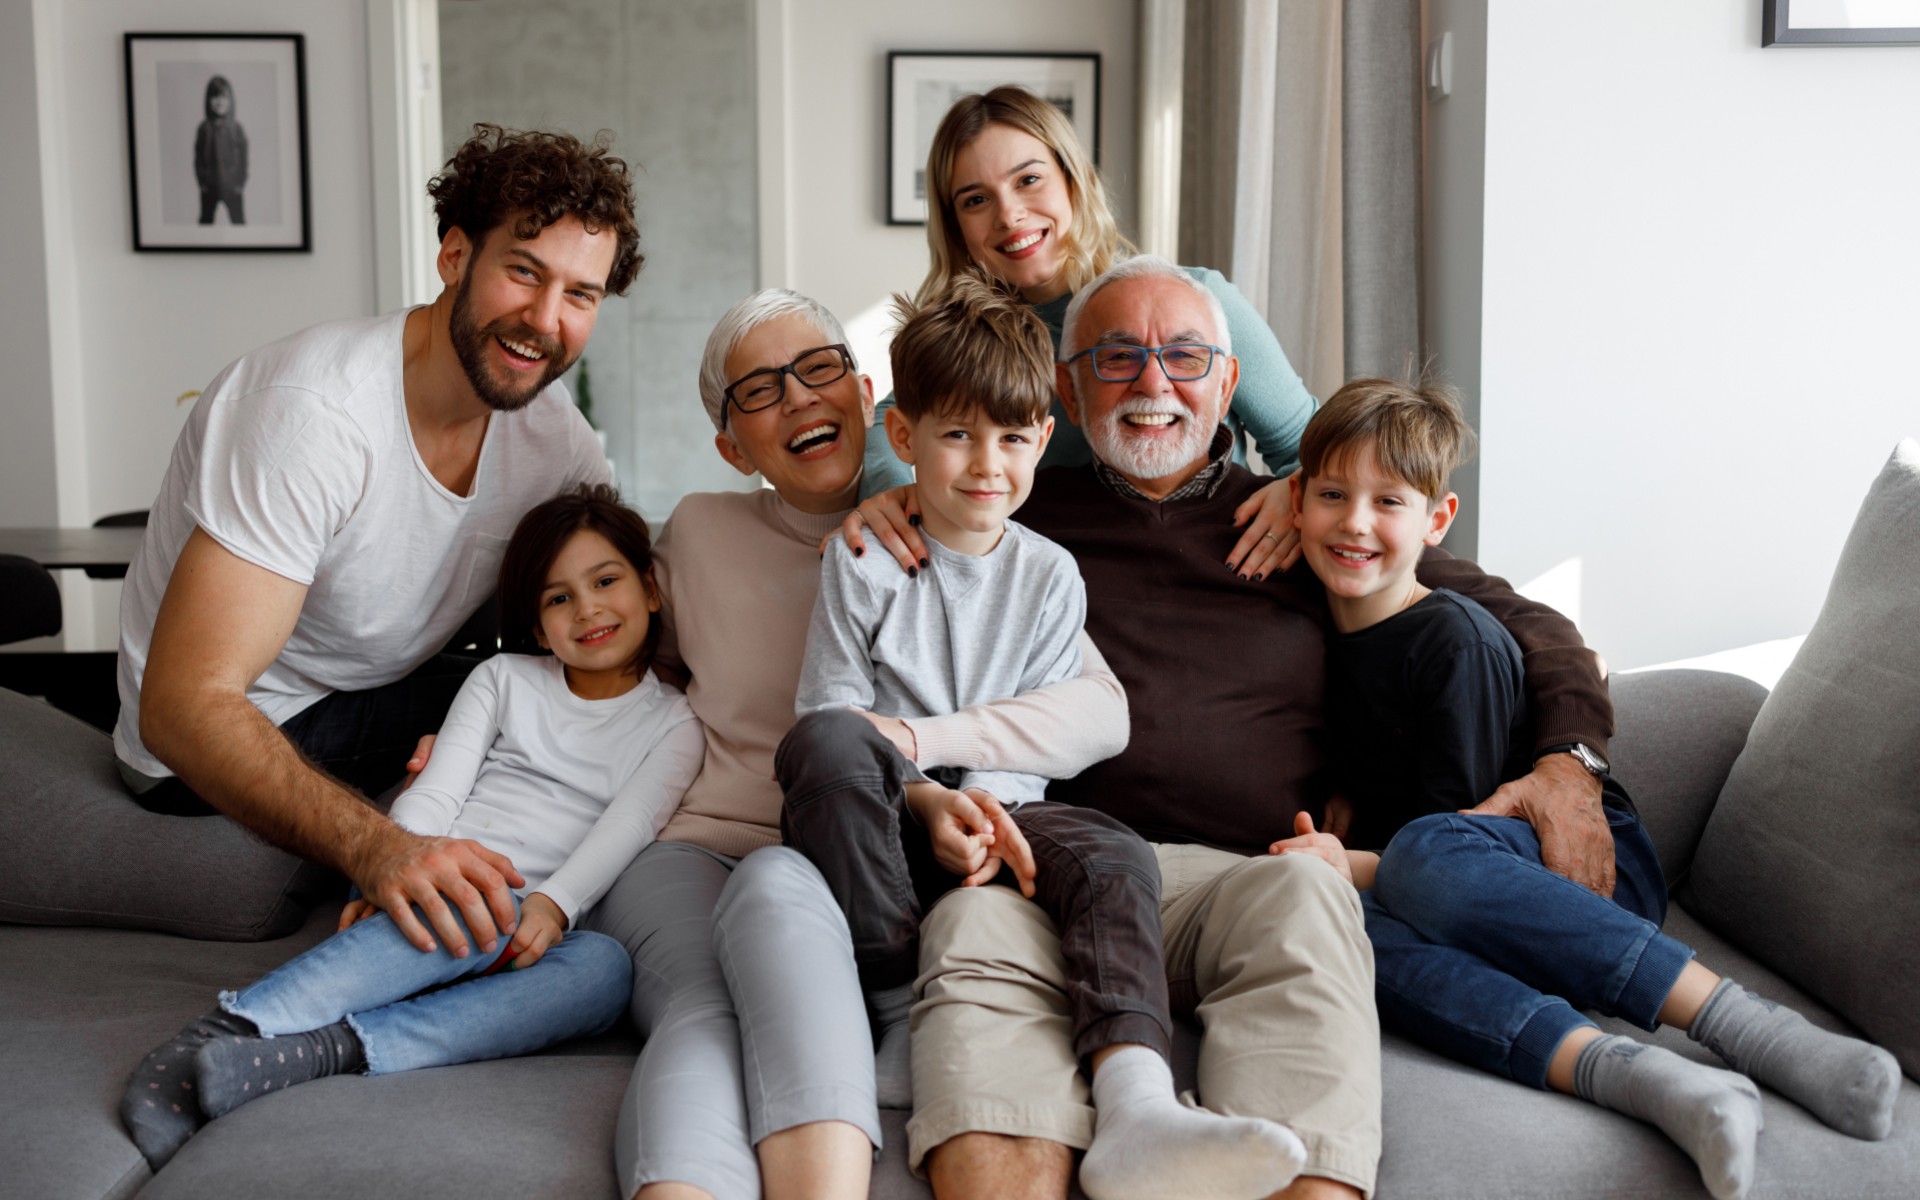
524,309
1011,203
1363,531
809,445
1154,430
594,614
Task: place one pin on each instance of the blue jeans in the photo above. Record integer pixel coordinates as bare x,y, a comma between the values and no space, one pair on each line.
414,1009
1483,954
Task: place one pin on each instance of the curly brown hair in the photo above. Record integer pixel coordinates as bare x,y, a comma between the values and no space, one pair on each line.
537,178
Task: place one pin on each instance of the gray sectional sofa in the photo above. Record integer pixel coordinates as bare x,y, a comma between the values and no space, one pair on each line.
81,1005
1790,829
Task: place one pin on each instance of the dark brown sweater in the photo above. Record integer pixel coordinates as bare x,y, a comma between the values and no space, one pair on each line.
1226,678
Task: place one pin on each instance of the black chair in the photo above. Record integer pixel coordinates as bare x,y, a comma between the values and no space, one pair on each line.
29,600
136,519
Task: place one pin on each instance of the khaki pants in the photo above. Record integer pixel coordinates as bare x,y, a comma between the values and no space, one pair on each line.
1270,954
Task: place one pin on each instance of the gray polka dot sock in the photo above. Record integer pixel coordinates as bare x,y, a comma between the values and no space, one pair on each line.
1713,1115
161,1106
238,1069
1848,1083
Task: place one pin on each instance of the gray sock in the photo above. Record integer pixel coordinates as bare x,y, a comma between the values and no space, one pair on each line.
1848,1083
161,1106
893,1061
235,1070
1713,1115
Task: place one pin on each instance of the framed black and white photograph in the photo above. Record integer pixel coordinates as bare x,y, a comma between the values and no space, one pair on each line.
217,141
921,87
1840,23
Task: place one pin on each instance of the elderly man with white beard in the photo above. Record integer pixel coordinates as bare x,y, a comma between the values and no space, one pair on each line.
1225,677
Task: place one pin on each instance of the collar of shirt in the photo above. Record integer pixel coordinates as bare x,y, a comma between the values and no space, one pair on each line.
1206,483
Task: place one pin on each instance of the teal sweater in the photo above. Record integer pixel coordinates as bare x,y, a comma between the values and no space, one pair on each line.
1271,405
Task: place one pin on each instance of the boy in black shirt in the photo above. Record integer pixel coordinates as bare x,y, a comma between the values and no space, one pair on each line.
1480,952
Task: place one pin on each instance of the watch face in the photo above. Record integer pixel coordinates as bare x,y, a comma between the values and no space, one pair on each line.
1588,759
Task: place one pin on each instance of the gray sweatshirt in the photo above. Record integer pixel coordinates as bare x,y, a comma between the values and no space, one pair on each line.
970,629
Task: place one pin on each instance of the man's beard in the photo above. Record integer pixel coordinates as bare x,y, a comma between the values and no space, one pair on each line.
1139,457
470,345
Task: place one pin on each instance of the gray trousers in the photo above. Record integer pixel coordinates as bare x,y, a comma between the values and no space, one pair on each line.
745,991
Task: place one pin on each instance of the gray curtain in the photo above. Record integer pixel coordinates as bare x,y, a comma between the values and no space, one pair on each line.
1300,174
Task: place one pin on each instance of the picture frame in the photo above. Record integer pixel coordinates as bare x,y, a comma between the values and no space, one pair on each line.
217,141
1840,23
922,86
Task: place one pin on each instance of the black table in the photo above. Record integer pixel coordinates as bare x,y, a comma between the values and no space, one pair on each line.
78,682
104,553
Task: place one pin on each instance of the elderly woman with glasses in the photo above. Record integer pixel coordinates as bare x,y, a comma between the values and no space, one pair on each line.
1012,193
758,1073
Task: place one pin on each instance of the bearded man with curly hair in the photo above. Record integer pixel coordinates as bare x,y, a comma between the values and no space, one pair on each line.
335,509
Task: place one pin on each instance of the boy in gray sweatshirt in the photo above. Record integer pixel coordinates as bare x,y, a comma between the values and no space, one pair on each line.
993,611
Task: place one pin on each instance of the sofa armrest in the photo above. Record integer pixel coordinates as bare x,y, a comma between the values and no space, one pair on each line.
1676,735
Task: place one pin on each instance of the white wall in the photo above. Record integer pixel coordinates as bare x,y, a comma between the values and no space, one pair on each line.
827,220
1699,309
130,332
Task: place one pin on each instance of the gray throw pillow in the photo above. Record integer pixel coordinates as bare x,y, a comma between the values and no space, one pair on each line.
1811,861
81,852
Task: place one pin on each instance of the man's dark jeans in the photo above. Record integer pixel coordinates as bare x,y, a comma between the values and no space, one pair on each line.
846,810
362,739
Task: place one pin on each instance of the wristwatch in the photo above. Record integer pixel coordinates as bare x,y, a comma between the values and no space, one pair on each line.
1582,754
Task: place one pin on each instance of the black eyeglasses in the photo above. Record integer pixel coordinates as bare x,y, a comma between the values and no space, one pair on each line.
1181,362
760,389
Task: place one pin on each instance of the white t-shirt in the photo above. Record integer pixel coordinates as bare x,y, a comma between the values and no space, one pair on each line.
298,458
569,789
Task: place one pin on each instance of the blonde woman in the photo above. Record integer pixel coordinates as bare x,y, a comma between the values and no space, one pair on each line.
1013,194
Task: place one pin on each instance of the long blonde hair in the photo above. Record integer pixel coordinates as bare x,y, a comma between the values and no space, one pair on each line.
1090,244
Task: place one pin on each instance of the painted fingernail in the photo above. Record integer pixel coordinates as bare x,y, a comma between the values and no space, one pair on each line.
923,562
859,550
1259,577
912,571
1243,577
913,518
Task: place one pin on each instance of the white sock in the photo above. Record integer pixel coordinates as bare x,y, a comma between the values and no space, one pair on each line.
1147,1145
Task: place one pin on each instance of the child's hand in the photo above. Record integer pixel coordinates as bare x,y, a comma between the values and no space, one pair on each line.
418,763
896,731
959,832
1009,846
358,909
894,518
541,925
1321,845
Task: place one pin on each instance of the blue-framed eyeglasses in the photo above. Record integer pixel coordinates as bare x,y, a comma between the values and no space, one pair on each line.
1181,362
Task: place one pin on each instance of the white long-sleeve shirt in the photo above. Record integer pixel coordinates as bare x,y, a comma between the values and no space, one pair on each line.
569,789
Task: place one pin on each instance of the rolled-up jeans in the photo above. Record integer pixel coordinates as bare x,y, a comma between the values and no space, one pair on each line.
429,1009
846,810
1482,953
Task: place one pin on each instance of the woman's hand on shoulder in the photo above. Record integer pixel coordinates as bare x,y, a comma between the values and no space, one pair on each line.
1271,542
892,518
541,925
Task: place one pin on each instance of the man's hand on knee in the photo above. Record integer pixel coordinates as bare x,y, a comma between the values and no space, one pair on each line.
1561,800
405,870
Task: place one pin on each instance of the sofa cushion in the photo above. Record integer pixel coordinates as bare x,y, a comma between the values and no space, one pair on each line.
81,852
1811,860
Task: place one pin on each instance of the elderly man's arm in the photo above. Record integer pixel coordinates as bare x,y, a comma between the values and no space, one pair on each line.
221,624
1567,699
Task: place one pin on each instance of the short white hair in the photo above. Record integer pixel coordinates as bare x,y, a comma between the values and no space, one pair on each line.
1141,266
768,304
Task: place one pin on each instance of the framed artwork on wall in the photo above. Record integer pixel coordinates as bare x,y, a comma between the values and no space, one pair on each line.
217,141
1840,22
922,86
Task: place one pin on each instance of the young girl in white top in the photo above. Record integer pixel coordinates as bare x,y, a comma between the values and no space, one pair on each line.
567,762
